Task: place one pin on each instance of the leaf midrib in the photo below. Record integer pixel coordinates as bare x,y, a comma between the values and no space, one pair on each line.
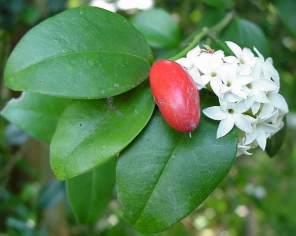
93,132
158,179
76,53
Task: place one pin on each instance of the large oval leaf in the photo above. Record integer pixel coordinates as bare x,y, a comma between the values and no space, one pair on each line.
97,186
91,132
247,34
36,114
164,175
85,52
158,27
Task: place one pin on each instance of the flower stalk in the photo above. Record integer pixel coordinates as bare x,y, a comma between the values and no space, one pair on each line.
205,32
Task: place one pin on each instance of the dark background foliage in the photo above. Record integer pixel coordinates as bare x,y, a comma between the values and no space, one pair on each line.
257,197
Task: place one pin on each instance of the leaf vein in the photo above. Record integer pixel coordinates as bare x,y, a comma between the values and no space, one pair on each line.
158,179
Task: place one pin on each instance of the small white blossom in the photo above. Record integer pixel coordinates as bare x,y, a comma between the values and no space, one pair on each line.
110,6
245,57
247,86
124,5
230,115
135,4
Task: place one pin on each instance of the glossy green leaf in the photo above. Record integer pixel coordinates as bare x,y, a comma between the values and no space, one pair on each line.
123,229
219,3
211,17
90,193
286,10
91,132
246,34
275,143
84,52
158,27
36,114
164,175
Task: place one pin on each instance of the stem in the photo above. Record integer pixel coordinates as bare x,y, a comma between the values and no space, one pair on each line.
204,32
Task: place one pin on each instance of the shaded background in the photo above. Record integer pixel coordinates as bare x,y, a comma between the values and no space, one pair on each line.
257,198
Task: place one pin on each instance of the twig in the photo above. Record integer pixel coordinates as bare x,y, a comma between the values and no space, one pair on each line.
204,32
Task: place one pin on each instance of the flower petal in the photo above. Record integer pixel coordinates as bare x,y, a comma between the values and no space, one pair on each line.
186,63
255,108
250,138
234,48
231,59
195,52
261,140
225,127
264,85
215,113
244,123
216,85
261,97
244,80
267,111
279,102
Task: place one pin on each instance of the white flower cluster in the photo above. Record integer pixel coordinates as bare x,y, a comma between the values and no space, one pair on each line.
247,86
124,5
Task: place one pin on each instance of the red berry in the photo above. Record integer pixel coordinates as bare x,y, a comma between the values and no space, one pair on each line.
176,95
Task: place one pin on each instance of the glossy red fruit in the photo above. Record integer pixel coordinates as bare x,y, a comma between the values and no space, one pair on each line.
176,95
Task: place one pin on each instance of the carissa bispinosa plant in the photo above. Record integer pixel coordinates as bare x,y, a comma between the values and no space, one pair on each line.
247,87
101,122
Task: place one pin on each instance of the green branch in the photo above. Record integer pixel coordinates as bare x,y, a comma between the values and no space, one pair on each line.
205,32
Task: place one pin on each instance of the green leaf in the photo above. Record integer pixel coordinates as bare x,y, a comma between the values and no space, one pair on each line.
91,132
275,143
36,114
286,10
176,230
123,229
246,34
164,175
219,3
84,52
158,27
97,186
211,17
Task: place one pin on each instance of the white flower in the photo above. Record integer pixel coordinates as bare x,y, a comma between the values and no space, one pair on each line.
209,65
135,4
243,56
194,53
269,72
124,5
243,149
110,6
193,71
228,85
186,63
262,131
258,88
229,115
247,87
278,101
